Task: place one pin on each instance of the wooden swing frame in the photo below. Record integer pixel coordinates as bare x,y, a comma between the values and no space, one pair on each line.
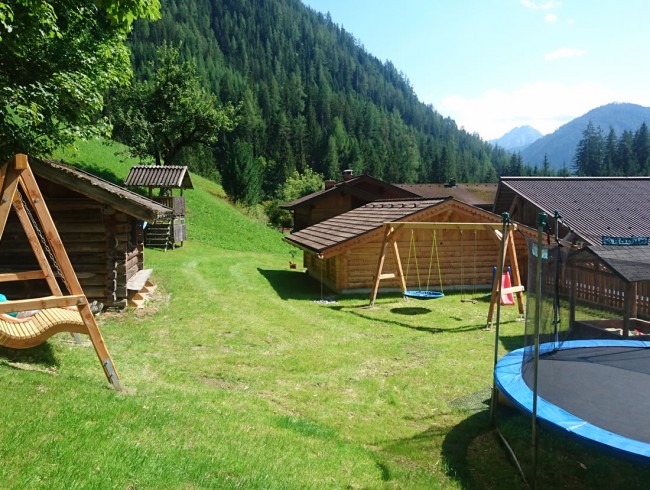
57,312
503,233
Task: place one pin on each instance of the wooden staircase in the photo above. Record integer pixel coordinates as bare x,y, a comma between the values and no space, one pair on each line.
158,235
140,288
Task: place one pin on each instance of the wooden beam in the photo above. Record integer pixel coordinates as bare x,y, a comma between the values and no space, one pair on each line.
515,273
33,193
20,161
496,285
8,185
22,276
450,226
35,244
42,303
388,229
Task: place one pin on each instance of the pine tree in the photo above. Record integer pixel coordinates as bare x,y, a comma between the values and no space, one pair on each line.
243,175
588,159
641,146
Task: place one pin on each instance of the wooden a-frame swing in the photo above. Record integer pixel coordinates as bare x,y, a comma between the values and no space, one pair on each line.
505,237
58,312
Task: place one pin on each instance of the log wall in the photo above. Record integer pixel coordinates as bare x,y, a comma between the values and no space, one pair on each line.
466,260
105,248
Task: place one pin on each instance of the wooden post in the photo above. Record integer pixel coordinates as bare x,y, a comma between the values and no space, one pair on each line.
380,263
496,284
516,276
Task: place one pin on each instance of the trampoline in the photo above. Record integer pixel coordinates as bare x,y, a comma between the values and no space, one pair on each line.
596,391
581,372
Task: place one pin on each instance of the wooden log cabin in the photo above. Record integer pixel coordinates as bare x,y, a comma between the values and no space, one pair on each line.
339,197
100,225
343,251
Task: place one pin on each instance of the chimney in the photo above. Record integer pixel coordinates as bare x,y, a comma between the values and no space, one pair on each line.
347,174
329,184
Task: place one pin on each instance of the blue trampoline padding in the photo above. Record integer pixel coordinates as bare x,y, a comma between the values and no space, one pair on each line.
509,380
424,294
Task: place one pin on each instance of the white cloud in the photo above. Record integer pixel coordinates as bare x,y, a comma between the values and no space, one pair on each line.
542,105
550,18
564,53
540,5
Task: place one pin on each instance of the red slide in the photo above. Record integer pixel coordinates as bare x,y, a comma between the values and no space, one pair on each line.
506,299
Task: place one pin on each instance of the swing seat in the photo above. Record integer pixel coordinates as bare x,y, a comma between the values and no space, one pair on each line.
419,294
29,332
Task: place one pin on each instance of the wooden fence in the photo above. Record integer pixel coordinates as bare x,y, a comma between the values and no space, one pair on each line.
596,286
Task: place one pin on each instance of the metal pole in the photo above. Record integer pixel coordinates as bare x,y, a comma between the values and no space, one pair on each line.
556,297
506,223
541,225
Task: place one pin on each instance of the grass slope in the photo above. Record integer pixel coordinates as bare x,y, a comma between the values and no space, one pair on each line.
236,377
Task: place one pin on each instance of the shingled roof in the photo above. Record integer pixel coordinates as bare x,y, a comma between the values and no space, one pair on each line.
353,224
351,186
632,264
100,190
170,176
474,194
592,207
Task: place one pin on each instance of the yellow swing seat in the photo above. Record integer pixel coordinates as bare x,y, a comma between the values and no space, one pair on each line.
23,333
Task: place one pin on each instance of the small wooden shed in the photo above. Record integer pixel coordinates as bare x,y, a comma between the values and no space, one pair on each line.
164,232
100,225
343,251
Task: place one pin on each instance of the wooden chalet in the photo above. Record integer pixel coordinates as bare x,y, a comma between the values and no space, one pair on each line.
591,207
100,225
595,211
343,251
339,197
479,195
166,231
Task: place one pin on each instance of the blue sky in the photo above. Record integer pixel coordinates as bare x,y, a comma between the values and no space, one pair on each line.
493,65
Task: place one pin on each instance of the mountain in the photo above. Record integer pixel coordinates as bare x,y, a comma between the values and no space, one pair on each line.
518,138
560,146
311,95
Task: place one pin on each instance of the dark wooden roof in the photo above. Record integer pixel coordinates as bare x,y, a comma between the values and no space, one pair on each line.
590,206
350,186
632,264
169,177
474,194
357,222
99,190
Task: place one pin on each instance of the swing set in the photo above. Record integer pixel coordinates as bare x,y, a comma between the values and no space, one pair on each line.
423,293
503,233
58,312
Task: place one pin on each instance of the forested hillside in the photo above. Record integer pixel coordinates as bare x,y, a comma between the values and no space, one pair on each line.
311,96
560,146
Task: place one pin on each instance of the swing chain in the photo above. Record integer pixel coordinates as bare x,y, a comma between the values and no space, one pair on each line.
43,240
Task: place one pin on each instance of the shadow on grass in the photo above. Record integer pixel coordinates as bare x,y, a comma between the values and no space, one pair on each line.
512,342
410,310
40,355
460,328
292,284
454,443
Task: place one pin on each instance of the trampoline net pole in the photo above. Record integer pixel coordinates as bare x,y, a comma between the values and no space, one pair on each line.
541,225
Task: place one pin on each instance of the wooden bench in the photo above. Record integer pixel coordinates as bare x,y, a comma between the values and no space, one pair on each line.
30,332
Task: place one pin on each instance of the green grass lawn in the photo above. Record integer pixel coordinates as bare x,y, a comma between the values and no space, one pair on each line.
237,376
